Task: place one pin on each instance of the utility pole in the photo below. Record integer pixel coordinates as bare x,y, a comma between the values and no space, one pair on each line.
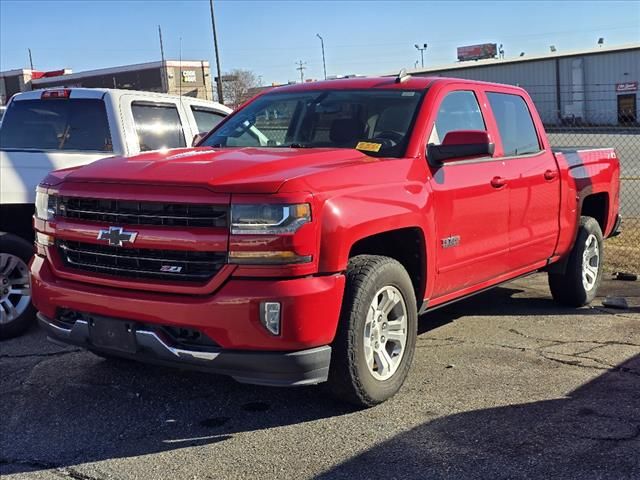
324,63
30,59
165,83
301,67
422,49
161,46
215,45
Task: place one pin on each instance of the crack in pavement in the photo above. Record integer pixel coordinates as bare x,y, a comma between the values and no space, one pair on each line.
40,355
564,342
626,313
551,356
68,472
59,470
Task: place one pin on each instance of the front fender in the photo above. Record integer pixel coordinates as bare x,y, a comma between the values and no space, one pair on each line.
355,215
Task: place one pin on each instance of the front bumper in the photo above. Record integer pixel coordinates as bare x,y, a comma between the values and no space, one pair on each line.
230,316
303,367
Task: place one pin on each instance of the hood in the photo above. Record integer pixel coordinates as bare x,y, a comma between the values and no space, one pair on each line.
246,170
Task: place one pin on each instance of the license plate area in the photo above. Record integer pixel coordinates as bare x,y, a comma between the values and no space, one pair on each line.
112,334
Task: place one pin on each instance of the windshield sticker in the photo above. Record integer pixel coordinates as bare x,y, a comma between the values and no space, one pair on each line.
408,94
369,146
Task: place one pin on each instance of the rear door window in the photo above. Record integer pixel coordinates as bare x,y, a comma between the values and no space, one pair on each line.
157,125
56,124
206,118
517,131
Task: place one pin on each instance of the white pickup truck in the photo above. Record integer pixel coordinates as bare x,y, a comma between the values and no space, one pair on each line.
45,130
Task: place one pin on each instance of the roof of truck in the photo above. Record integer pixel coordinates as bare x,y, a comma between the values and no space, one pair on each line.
84,92
408,82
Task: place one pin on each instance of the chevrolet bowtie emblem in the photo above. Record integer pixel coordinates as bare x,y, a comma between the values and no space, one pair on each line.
116,236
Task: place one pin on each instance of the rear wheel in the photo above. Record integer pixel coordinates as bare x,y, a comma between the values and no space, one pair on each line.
16,311
376,338
579,283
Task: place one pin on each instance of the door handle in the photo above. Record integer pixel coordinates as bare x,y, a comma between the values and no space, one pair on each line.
550,175
498,182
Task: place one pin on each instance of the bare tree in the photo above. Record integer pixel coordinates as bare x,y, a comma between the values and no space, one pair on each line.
236,86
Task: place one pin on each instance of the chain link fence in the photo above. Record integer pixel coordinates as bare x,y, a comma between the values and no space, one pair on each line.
597,116
622,253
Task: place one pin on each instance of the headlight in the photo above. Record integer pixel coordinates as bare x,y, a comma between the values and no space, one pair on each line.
269,219
46,205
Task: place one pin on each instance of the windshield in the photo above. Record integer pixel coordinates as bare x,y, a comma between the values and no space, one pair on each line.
56,124
377,122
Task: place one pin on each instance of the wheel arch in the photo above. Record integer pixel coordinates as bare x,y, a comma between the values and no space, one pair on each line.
406,245
596,205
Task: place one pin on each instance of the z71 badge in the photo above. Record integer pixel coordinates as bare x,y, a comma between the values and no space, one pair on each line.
449,242
170,269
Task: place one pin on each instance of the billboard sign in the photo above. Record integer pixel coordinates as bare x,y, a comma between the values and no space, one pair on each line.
477,52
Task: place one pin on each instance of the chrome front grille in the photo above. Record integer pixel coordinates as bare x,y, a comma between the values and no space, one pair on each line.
141,263
132,212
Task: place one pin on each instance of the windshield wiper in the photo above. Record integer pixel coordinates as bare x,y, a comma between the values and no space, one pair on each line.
299,145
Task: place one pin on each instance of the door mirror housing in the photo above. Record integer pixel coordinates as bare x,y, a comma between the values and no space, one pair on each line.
197,138
460,144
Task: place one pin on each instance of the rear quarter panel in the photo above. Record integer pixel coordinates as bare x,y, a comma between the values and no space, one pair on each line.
584,173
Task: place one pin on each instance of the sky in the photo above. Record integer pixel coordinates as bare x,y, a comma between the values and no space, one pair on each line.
269,37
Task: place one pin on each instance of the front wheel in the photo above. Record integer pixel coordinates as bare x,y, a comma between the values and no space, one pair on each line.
16,311
376,338
579,283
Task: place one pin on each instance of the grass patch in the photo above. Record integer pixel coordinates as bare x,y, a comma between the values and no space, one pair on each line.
622,253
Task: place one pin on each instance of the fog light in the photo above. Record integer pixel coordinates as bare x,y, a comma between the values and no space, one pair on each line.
270,316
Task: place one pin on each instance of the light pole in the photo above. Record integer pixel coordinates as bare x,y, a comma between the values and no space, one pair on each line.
324,64
422,49
215,45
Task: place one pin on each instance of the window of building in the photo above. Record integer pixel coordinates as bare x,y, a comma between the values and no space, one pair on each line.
157,125
517,131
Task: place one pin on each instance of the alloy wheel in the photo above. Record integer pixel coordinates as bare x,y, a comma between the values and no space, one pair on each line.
15,287
385,332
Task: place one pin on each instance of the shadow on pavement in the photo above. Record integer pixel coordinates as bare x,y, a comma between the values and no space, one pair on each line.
592,433
502,301
73,407
63,408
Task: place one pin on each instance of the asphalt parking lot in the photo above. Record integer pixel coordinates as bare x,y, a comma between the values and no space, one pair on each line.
504,385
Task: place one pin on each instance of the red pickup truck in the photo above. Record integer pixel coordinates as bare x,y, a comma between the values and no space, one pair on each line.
301,239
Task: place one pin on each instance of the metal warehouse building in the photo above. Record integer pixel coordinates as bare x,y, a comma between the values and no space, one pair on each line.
596,87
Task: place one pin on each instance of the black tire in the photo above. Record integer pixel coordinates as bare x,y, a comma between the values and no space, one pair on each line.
568,288
349,376
18,247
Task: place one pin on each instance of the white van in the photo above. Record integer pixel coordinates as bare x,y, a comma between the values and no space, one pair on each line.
46,130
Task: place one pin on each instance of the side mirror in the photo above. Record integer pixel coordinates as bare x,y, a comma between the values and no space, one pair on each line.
460,144
197,138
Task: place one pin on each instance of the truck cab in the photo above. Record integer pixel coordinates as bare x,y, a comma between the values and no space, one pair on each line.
299,241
